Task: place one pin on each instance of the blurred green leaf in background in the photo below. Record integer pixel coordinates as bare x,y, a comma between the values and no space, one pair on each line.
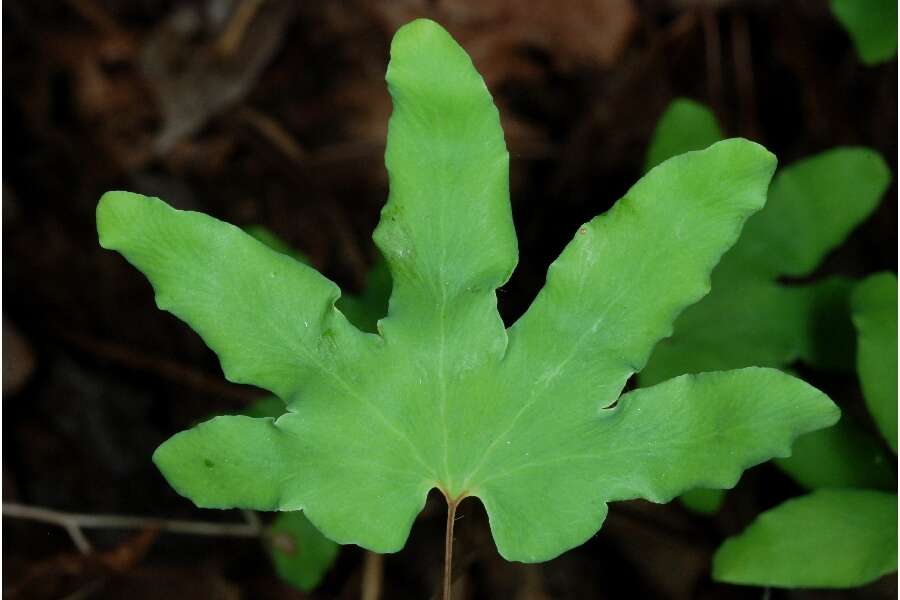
751,317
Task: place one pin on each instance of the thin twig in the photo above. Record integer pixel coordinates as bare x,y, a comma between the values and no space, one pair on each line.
81,542
274,133
237,25
373,573
84,521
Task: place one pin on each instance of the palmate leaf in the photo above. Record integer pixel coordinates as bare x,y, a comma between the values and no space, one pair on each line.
830,538
528,420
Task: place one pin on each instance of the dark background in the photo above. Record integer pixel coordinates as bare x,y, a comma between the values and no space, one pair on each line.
275,113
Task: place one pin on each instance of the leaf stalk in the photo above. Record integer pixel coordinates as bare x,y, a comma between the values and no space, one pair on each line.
448,548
